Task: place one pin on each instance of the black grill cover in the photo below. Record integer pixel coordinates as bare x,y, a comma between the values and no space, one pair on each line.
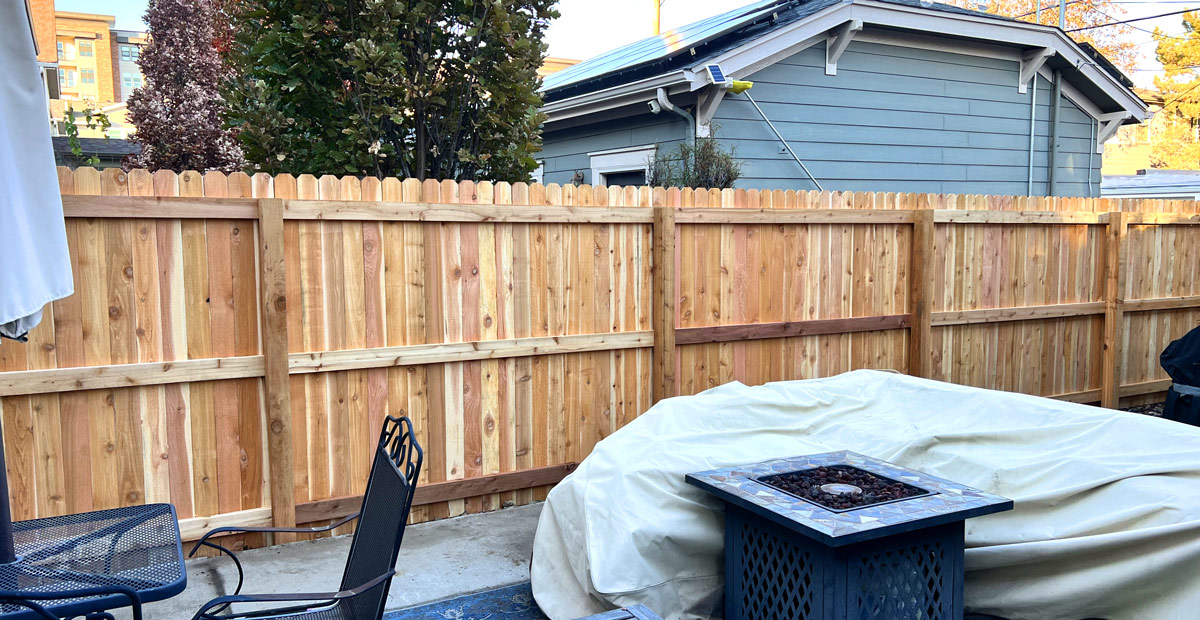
1181,360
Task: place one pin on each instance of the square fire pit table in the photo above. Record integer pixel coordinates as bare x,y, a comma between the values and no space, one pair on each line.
798,547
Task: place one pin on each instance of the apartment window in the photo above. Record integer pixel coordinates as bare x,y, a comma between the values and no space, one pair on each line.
85,48
60,50
66,51
87,76
129,52
137,80
127,79
66,78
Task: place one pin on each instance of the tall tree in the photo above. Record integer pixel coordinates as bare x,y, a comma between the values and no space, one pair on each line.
419,88
178,112
1173,137
1112,41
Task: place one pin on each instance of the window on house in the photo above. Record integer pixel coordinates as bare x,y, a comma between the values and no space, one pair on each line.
137,80
59,45
85,48
539,172
129,52
1142,133
66,51
66,78
127,79
625,166
87,76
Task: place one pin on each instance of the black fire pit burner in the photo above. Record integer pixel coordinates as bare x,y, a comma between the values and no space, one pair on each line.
841,487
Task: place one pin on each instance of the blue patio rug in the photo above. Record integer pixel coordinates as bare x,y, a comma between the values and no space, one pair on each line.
507,603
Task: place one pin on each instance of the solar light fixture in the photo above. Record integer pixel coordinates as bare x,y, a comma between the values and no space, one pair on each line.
716,75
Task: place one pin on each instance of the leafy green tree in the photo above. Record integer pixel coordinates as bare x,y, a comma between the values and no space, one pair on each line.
425,89
1173,141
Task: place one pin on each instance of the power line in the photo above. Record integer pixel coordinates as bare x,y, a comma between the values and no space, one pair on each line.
1047,7
1129,21
1180,95
1169,36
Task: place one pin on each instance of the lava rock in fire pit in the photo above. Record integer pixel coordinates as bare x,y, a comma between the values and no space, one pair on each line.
807,484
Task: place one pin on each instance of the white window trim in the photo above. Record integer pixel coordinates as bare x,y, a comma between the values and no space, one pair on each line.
628,159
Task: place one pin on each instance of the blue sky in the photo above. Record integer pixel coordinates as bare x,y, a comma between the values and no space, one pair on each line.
589,27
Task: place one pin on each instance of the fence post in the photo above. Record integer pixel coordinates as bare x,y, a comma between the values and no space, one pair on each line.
1114,309
276,390
920,296
663,302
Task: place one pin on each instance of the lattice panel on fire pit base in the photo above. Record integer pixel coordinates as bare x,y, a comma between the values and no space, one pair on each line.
776,576
909,581
772,574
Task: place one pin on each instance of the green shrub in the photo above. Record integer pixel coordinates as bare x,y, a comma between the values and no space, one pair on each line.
703,164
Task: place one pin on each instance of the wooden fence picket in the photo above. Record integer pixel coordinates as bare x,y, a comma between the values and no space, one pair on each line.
235,341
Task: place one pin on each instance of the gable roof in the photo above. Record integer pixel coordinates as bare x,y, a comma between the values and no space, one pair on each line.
683,51
707,37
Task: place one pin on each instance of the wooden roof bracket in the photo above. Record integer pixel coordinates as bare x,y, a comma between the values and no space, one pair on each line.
839,38
706,107
1031,61
1109,124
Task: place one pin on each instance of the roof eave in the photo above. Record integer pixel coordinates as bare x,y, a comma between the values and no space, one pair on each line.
1012,32
619,96
760,52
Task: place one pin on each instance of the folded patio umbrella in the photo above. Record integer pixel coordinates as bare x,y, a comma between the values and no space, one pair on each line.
1106,521
35,267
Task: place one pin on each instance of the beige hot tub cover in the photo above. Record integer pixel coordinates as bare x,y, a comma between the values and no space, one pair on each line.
1106,523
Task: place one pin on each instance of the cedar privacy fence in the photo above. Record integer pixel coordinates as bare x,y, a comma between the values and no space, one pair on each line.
234,342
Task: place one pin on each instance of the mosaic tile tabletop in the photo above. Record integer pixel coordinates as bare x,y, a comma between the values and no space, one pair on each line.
948,502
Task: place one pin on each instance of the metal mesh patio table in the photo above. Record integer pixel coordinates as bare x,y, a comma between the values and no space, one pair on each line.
84,564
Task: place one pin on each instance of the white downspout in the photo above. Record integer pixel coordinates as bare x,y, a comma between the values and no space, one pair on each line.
666,104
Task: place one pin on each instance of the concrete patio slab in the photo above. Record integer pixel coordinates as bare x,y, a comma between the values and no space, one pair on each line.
437,560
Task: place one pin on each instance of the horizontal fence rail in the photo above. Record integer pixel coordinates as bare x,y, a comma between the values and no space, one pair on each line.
235,341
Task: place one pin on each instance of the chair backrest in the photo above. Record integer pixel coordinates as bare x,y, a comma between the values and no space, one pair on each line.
385,508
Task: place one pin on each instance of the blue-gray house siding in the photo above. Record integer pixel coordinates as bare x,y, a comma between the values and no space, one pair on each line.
893,119
904,119
566,151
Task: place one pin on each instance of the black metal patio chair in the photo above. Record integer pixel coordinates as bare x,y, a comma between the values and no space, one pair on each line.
372,558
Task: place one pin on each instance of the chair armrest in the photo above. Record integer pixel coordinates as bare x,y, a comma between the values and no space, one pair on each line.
20,602
277,530
25,599
225,601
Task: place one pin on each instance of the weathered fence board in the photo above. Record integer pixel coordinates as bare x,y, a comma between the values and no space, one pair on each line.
234,342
